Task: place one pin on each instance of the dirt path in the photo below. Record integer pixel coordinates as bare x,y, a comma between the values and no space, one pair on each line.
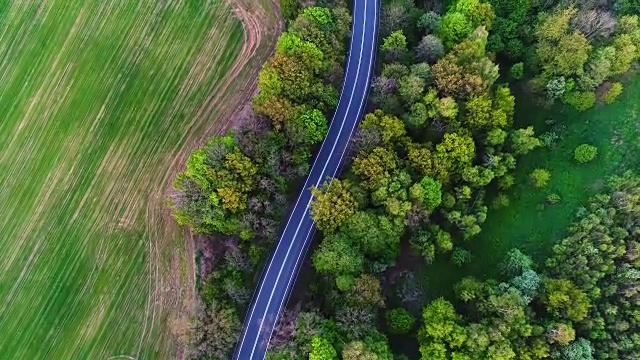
223,109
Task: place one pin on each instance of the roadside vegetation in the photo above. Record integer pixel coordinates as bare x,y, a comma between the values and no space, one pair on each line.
237,186
485,211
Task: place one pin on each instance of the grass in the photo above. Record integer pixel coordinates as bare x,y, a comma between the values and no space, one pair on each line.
530,224
97,98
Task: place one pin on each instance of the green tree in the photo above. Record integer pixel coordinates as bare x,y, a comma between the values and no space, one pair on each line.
376,168
584,153
523,141
466,70
515,263
540,177
400,321
612,93
428,192
321,349
469,288
561,51
411,88
443,331
337,256
312,125
394,46
332,205
564,299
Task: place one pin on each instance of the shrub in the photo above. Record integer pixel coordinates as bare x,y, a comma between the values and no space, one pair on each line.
549,138
517,71
585,153
553,199
540,177
612,94
460,256
506,182
400,321
501,201
580,100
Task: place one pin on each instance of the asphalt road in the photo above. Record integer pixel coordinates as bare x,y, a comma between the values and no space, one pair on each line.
280,274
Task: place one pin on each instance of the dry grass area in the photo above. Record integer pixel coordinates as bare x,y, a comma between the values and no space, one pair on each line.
101,102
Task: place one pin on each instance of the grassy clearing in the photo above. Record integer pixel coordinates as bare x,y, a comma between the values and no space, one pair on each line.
97,99
529,224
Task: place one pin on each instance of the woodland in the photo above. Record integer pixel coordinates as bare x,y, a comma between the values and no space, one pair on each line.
437,152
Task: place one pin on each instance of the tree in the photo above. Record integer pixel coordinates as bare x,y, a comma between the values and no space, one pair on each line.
561,334
377,236
214,332
560,51
442,332
428,192
388,126
430,22
455,152
376,168
394,46
528,283
411,88
540,177
366,291
517,71
515,263
400,321
523,141
580,100
469,288
321,349
584,153
465,70
453,28
612,93
333,204
580,349
564,299
311,123
430,49
337,256
462,18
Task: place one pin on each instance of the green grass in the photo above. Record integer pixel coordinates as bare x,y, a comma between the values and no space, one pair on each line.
527,223
97,98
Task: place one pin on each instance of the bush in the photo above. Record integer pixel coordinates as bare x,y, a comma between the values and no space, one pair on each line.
540,177
612,94
400,321
580,100
553,199
506,182
460,256
517,71
549,138
585,153
501,201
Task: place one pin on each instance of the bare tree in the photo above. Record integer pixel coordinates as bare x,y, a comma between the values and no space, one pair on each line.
595,23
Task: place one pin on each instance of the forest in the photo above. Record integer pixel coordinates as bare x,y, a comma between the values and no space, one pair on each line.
437,152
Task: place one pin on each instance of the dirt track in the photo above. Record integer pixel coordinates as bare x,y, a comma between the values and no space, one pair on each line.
223,109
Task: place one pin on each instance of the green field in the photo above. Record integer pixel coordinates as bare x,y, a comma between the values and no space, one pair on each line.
530,224
97,98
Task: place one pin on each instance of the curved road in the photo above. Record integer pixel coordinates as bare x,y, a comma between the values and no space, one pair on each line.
281,272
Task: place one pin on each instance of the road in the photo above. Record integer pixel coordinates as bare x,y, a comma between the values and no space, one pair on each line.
280,274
